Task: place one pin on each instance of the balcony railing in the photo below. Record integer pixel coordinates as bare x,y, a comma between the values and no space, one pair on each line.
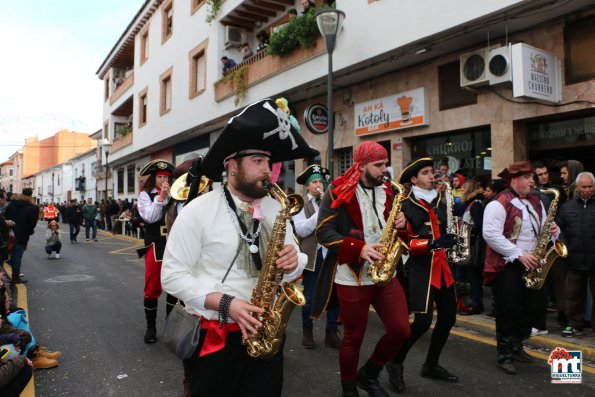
262,66
122,141
122,88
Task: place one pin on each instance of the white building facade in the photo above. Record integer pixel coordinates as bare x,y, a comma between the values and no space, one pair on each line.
401,78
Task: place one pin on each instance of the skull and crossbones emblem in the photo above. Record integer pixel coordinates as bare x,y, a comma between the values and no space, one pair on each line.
284,128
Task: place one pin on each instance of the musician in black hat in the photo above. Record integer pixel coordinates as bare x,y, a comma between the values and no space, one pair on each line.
430,278
152,202
217,246
315,180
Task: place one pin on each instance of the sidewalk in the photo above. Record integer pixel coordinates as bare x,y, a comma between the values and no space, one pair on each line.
486,326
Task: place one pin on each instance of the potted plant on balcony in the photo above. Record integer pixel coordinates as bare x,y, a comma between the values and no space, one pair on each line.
299,32
123,130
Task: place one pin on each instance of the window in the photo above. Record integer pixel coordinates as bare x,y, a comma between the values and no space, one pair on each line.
130,175
58,180
165,92
167,21
105,131
196,4
106,87
10,172
120,180
198,69
142,107
144,44
449,87
345,159
579,60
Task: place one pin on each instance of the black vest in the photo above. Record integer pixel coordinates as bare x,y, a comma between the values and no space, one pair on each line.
156,232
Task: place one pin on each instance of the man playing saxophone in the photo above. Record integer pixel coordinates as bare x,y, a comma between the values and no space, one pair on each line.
351,218
512,226
429,275
217,249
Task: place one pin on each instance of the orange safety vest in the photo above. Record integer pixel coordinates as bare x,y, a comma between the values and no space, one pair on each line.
50,212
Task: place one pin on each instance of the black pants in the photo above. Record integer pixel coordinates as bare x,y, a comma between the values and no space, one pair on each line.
231,372
446,306
18,384
576,285
517,307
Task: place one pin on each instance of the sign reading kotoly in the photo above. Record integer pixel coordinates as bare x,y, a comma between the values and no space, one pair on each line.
403,110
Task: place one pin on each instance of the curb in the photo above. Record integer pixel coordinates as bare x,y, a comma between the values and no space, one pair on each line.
119,236
541,342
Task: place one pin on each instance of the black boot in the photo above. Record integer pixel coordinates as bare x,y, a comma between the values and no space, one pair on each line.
518,352
349,389
505,360
151,316
367,379
395,376
170,302
308,338
332,338
435,371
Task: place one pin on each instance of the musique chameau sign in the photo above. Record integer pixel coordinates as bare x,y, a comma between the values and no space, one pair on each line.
403,110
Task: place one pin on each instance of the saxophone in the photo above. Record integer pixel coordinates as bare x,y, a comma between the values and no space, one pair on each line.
461,252
277,301
381,272
534,278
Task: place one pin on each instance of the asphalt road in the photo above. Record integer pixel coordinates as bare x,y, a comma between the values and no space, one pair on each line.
88,304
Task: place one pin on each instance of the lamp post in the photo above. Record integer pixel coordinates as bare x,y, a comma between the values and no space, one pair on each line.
329,23
106,144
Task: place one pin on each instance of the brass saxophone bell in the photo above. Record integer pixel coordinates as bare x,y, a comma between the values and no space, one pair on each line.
180,189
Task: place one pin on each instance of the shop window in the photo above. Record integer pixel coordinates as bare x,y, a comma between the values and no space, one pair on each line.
165,92
198,69
142,107
144,44
167,20
345,159
130,175
579,60
120,180
451,95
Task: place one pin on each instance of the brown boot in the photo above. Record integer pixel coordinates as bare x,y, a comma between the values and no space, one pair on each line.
43,352
40,362
332,338
308,339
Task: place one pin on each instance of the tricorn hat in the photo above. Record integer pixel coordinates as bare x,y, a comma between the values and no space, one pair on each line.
515,169
262,125
156,166
315,171
414,167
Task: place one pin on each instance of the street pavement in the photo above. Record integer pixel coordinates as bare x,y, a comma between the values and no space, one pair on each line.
88,304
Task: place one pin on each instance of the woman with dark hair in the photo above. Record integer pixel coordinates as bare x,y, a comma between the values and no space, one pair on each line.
263,40
152,203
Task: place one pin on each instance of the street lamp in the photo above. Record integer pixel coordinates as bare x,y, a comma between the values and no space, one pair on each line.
106,144
329,23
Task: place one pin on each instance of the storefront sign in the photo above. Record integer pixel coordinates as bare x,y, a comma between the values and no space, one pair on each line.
535,73
316,117
561,134
403,110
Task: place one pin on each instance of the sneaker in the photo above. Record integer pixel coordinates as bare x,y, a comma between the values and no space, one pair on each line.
40,362
86,239
95,239
570,332
536,332
50,256
57,256
44,352
18,280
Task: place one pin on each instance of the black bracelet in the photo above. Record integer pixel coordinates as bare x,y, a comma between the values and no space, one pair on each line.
224,304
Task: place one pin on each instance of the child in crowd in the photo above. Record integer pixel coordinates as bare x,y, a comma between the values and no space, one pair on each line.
52,240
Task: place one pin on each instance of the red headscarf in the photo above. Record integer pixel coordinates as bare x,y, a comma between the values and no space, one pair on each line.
364,153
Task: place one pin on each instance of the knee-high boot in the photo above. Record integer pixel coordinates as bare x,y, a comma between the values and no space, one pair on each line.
170,302
505,359
151,316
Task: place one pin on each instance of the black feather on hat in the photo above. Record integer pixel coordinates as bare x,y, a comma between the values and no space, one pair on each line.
156,166
414,167
261,126
315,170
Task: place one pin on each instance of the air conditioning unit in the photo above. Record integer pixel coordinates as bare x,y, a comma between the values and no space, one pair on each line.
500,65
233,36
473,68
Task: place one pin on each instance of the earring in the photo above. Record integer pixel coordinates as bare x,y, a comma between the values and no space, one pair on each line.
233,173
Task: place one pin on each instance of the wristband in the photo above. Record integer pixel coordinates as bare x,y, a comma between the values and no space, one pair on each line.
224,304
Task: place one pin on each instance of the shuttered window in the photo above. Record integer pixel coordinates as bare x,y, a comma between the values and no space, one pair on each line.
450,91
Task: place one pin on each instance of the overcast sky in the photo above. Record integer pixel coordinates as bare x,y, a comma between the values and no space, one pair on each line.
49,53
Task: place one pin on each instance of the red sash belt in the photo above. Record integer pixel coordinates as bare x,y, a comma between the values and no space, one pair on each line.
215,337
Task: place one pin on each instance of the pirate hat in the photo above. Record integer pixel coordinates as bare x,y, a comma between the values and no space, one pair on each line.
315,171
261,126
414,167
156,166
